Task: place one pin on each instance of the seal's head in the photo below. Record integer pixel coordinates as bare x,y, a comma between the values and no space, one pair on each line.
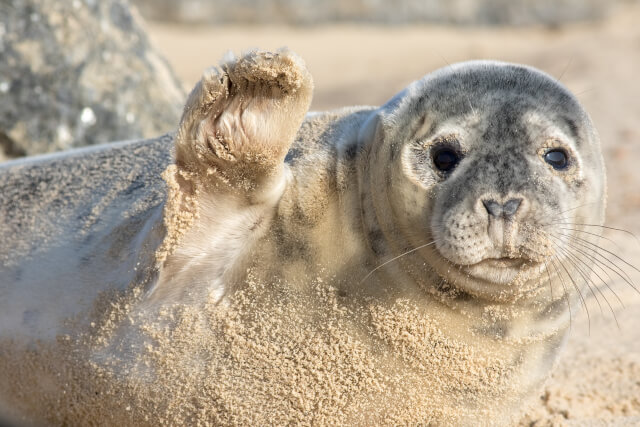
492,162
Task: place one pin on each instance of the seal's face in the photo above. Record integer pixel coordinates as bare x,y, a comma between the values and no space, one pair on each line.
496,163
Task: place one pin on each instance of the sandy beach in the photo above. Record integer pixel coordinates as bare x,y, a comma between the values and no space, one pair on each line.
597,381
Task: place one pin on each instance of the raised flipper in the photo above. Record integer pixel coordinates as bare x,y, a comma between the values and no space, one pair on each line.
236,129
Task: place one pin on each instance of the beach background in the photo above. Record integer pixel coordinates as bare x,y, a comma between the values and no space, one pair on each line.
363,52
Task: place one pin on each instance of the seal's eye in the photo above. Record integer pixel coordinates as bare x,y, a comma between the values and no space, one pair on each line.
445,159
557,158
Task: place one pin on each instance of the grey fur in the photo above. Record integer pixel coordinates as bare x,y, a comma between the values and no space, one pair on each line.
361,205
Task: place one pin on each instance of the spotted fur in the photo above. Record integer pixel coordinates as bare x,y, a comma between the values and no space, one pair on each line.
351,197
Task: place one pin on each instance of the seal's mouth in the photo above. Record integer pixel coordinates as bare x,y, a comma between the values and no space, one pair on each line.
501,271
496,277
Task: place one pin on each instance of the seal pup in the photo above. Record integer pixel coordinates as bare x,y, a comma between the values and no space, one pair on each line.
407,264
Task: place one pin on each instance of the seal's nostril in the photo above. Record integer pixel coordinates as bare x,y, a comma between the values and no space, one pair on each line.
494,208
506,210
511,207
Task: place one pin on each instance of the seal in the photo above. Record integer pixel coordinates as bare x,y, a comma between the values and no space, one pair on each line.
414,263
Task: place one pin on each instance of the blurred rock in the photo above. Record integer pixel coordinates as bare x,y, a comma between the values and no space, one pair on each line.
76,73
301,12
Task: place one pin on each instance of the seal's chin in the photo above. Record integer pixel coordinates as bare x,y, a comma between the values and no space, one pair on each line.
504,262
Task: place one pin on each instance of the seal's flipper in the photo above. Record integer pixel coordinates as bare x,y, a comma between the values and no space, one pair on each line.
241,118
237,126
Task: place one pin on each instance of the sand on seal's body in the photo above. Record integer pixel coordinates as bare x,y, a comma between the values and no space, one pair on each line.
247,282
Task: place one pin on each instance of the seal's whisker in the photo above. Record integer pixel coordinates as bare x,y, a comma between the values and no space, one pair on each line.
576,267
590,255
473,110
591,285
396,258
608,264
589,282
559,214
577,230
585,91
585,242
566,67
600,226
564,288
577,288
597,264
546,268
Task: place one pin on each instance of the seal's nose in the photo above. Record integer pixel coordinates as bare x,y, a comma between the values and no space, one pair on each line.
506,210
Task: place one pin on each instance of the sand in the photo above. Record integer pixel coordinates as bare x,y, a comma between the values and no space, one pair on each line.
214,364
597,380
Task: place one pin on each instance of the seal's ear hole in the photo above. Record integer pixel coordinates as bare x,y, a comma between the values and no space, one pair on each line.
557,158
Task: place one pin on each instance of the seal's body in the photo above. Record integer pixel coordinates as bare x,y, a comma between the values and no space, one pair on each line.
411,263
